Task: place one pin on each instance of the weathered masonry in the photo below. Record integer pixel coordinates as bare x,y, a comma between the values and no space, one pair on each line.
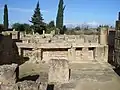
117,43
78,54
74,48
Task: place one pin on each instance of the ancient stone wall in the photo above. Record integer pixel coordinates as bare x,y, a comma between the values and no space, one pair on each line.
86,47
85,53
61,38
77,54
14,34
47,55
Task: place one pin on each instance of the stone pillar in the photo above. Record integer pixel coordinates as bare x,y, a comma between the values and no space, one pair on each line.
19,51
43,33
85,53
27,41
72,54
103,36
36,56
33,32
58,71
106,53
97,53
39,54
69,55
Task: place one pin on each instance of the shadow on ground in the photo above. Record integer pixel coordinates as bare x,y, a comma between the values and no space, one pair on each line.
32,78
117,70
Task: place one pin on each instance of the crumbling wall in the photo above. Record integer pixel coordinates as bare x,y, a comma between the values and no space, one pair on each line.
85,53
47,55
38,39
15,34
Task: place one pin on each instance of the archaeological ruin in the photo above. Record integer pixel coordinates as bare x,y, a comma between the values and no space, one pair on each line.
60,62
84,58
74,48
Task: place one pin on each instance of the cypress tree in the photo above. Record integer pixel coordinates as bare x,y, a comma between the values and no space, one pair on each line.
59,18
37,20
6,17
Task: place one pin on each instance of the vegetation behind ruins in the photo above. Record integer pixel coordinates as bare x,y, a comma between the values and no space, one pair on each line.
38,25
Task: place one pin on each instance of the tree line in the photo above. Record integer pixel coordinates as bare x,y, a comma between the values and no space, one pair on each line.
37,21
38,24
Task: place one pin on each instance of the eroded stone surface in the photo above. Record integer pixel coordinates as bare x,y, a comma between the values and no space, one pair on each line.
88,51
8,74
27,85
8,87
58,70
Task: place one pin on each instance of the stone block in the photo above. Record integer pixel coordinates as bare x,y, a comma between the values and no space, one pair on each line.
27,85
58,71
8,87
8,74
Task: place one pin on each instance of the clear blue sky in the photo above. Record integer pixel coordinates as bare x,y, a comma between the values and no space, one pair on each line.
76,12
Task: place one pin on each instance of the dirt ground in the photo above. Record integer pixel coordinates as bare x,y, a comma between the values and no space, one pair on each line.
87,76
32,69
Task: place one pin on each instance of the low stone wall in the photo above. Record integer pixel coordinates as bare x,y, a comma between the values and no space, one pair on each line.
61,38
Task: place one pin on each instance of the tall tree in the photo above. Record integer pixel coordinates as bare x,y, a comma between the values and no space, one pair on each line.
59,18
37,20
6,24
